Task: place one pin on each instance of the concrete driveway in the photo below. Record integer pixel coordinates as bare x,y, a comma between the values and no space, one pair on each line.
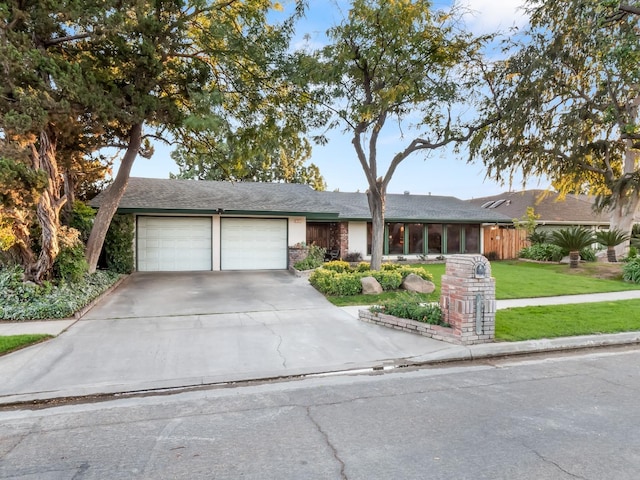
166,330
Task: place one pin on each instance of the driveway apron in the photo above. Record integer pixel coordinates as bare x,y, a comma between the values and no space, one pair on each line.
169,330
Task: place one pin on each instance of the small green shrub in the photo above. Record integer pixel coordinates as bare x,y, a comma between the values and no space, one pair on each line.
330,282
353,257
410,306
70,264
339,266
314,258
588,254
543,252
363,267
118,244
388,279
492,256
82,219
405,270
538,237
631,270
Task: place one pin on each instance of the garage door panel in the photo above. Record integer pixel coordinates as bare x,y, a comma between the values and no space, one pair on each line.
253,244
174,243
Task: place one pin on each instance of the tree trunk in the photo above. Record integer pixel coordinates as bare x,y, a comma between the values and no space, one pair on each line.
574,259
611,255
49,205
111,199
376,199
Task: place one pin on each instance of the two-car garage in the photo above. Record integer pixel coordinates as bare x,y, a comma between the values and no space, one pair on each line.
208,243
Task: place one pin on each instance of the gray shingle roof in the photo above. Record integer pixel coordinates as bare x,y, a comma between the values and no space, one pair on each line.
573,209
153,194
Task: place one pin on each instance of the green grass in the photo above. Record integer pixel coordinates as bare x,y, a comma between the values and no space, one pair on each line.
522,280
14,342
530,323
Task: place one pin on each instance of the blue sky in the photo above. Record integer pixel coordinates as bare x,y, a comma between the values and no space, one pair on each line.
439,173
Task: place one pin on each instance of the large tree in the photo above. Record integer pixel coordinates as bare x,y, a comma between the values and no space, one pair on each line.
180,67
126,71
250,154
568,99
32,110
399,65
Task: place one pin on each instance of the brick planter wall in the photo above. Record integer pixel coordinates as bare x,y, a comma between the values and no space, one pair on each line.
296,254
437,332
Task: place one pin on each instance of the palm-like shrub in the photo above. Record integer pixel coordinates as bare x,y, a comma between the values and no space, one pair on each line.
538,237
573,239
611,239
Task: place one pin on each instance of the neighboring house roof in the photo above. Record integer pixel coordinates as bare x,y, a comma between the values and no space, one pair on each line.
573,209
198,196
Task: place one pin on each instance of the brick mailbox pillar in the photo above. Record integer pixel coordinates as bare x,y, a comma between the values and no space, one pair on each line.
468,298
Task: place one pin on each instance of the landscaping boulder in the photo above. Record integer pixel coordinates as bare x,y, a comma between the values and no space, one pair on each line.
370,286
413,283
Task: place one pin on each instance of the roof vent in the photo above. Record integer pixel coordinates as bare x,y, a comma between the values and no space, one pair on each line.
407,192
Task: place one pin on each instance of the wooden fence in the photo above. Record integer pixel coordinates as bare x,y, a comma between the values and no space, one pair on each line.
505,242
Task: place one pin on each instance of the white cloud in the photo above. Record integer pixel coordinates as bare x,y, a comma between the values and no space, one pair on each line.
487,16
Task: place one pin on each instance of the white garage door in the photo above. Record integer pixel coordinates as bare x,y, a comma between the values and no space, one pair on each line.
170,244
253,244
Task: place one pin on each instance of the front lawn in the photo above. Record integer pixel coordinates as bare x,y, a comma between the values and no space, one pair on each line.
515,279
14,342
531,323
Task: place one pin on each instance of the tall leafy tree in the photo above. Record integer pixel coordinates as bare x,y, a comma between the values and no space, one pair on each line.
230,155
568,99
32,108
399,64
182,67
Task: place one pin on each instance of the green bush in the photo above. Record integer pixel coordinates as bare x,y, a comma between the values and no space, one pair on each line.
388,279
588,254
118,244
363,267
543,252
71,264
28,301
631,270
314,258
330,282
339,266
410,306
82,219
405,270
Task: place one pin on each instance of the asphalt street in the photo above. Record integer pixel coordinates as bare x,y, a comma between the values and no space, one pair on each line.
560,417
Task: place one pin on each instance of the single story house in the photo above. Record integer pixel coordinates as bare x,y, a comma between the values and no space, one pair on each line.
207,225
553,212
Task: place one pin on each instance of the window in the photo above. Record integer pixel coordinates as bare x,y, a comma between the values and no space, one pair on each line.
471,239
435,238
453,239
396,238
415,233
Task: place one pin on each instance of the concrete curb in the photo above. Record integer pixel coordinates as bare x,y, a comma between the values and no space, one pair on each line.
449,354
509,349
